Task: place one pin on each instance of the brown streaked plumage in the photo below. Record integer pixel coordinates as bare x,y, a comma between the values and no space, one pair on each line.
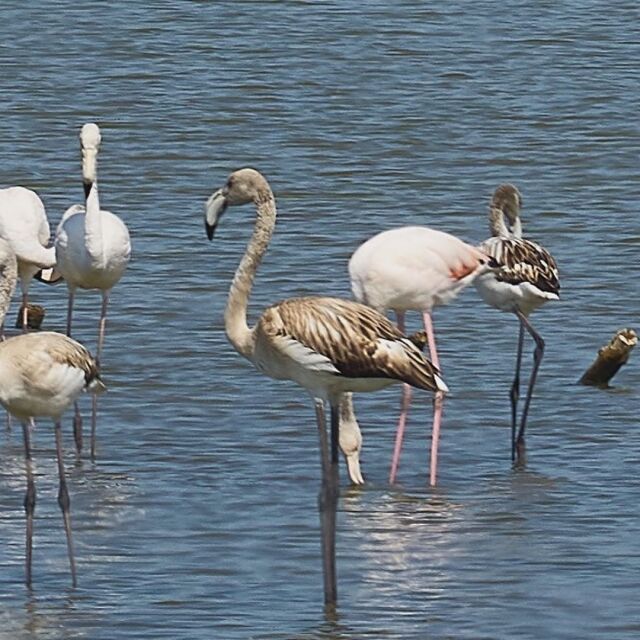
41,374
528,278
327,345
358,341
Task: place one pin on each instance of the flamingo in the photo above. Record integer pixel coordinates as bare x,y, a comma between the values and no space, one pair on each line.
93,250
328,346
414,269
24,225
41,374
527,279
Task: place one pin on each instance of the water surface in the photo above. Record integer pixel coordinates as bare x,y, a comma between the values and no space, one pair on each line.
198,520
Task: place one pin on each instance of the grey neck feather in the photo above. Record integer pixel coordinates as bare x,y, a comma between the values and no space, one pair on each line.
235,316
502,228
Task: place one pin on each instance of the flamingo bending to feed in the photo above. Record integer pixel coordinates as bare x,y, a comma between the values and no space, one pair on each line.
24,225
328,346
414,269
93,250
527,278
41,374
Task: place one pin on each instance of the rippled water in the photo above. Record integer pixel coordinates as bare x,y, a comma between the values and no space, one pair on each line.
199,519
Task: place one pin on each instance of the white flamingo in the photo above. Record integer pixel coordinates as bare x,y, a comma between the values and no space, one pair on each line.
92,250
414,269
41,374
24,225
328,346
528,278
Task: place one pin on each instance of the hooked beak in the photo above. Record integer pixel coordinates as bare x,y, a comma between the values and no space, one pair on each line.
214,208
86,185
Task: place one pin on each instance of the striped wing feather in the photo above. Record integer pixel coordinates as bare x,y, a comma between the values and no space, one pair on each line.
523,261
357,340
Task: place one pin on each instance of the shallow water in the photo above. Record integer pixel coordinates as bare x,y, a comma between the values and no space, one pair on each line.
198,520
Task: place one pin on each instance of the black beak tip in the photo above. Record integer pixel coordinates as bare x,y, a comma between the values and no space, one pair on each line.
210,230
87,187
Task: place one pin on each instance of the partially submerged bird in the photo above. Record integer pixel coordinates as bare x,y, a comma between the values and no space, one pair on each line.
329,346
41,374
527,279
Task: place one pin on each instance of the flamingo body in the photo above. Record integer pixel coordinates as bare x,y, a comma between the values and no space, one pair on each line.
332,346
42,373
24,225
414,268
79,265
527,279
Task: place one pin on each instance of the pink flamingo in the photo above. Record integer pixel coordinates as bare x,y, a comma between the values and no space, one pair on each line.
414,269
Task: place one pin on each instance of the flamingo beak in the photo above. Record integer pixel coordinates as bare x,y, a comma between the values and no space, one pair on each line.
215,206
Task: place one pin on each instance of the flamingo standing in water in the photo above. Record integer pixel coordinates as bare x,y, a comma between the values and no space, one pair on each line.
24,225
41,374
414,269
92,250
528,278
328,346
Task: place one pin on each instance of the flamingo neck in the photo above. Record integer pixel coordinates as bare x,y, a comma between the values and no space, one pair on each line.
93,222
9,276
235,315
499,226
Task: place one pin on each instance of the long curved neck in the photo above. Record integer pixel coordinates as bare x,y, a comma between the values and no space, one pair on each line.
235,315
499,227
8,278
93,221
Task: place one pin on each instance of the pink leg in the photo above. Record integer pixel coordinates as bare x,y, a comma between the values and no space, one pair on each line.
404,412
437,402
101,332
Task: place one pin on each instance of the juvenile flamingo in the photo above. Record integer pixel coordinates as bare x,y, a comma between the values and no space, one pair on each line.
41,374
328,346
414,269
24,225
527,279
93,250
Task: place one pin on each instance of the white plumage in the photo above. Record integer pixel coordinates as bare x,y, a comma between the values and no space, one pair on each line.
93,249
24,225
414,268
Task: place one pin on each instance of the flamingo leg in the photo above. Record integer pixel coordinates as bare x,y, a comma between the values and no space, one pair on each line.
328,501
94,403
29,500
438,400
404,412
514,394
77,418
537,359
64,502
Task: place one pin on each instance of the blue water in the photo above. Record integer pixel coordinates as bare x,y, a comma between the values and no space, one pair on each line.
199,518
